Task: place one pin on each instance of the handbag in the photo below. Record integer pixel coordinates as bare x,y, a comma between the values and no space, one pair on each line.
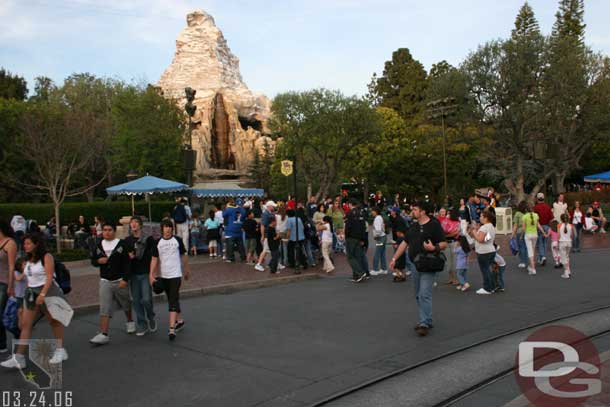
514,246
9,316
430,262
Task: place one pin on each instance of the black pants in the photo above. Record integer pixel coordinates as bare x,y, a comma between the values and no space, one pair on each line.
356,256
296,251
231,242
275,259
171,286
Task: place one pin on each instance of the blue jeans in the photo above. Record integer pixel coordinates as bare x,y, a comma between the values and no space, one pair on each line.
541,243
424,284
577,234
523,258
461,276
500,277
310,260
485,262
141,293
284,250
379,259
408,263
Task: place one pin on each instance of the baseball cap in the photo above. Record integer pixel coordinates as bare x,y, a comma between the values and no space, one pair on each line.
596,203
272,203
540,195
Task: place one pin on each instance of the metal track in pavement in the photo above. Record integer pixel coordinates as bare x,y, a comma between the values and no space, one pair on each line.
454,398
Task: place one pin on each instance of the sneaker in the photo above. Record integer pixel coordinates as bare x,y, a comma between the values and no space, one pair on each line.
59,356
361,278
384,272
152,325
422,330
100,339
458,287
565,276
3,350
281,267
171,334
482,291
465,287
130,327
259,267
179,325
375,272
408,273
500,290
228,261
522,265
603,231
141,332
224,257
16,361
543,261
430,326
531,271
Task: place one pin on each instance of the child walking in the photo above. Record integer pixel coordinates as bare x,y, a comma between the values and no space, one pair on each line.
499,268
566,235
554,234
462,250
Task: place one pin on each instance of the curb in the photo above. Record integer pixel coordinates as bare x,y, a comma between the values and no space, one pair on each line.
221,289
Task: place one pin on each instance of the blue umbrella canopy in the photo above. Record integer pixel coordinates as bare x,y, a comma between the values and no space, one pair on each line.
603,177
146,185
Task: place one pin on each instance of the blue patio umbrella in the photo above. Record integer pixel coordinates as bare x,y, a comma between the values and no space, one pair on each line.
603,178
146,185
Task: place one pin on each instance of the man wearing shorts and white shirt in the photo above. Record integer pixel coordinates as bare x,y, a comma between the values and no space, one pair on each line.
112,257
266,218
169,257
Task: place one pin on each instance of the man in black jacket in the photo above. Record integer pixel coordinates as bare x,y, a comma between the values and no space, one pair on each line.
356,239
112,257
140,249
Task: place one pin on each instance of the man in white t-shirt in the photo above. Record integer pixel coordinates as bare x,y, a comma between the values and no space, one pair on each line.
168,265
559,208
221,220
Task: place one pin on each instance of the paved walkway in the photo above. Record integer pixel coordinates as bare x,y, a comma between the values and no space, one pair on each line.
292,345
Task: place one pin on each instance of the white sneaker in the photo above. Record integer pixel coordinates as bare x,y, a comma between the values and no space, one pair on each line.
130,327
59,356
408,273
281,267
482,291
100,339
383,272
16,361
603,231
375,272
259,267
531,271
522,265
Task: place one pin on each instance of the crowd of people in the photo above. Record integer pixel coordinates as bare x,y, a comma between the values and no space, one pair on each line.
268,235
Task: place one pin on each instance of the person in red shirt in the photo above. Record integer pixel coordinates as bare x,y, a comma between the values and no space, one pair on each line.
545,215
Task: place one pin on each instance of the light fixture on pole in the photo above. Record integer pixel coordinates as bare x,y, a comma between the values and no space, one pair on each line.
131,175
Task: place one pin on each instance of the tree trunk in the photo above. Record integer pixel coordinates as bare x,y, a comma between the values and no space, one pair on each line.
309,189
58,227
89,195
557,181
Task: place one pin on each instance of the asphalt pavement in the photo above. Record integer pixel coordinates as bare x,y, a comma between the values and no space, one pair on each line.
292,345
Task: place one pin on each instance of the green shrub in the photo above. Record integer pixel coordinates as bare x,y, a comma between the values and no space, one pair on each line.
69,211
588,197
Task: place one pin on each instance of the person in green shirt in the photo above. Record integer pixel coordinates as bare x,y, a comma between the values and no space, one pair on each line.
519,233
338,218
531,224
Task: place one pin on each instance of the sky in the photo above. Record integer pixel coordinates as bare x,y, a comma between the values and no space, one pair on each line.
282,44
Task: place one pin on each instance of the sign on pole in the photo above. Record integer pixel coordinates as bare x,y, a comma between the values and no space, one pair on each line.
286,167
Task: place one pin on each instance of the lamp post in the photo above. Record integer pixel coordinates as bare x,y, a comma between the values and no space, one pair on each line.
131,175
189,155
443,108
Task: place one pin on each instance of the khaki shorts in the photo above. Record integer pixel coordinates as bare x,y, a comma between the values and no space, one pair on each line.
266,246
112,297
251,246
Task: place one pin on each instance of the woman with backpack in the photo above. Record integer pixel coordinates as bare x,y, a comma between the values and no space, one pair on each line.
39,269
8,256
380,265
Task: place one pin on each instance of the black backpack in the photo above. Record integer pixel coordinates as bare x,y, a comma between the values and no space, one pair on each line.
179,214
62,277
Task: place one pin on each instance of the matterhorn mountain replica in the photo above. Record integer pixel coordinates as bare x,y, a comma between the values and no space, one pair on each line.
229,124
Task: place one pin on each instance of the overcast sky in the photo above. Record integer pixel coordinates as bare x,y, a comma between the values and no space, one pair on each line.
282,44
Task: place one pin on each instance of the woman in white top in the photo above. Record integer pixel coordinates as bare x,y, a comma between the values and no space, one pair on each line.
39,269
379,260
327,242
578,220
566,234
484,237
559,208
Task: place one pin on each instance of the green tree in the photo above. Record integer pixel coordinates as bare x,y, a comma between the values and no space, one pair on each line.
319,128
148,131
44,87
12,86
402,86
